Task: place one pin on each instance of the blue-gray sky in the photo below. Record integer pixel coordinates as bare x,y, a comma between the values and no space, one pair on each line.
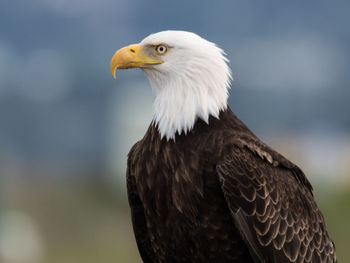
60,107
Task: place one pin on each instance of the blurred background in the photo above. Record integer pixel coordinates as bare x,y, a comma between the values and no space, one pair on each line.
66,126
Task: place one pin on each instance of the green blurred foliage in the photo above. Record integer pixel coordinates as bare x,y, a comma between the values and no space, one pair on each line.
336,210
92,223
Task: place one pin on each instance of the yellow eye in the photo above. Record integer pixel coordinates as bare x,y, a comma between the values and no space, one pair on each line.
161,49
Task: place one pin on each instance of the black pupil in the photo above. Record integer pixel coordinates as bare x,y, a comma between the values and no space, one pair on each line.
161,49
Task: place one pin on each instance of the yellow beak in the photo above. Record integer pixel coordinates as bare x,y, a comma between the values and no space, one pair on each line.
132,56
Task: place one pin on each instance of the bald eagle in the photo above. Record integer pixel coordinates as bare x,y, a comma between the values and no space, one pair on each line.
201,186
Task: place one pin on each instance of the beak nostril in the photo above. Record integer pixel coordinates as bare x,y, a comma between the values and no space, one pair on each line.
132,50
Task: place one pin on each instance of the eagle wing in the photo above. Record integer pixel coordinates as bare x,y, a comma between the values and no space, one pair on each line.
138,218
272,206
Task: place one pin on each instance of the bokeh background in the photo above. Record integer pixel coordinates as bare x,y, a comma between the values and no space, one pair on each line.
66,126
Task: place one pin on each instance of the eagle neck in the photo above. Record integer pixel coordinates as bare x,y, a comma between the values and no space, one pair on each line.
180,102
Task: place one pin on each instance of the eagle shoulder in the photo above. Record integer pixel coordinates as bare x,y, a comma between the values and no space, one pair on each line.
272,205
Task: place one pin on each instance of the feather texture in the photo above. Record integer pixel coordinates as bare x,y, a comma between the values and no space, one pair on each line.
218,194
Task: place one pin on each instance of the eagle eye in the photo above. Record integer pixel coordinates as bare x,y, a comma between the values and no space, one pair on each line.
161,49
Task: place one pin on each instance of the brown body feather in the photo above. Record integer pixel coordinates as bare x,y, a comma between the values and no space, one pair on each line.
218,194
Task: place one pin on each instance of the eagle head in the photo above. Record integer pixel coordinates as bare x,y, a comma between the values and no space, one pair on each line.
188,74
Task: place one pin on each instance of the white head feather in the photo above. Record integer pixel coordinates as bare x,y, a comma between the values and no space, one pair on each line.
191,83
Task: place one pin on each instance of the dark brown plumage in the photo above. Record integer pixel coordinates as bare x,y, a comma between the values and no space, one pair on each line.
219,194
